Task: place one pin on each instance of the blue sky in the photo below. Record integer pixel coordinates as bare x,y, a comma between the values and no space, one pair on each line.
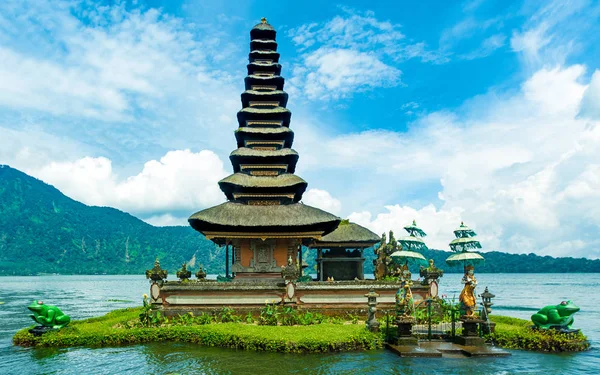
483,111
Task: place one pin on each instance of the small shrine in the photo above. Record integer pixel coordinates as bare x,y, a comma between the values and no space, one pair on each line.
340,254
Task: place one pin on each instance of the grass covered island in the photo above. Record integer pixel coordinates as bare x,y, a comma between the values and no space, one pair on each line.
514,333
277,330
225,329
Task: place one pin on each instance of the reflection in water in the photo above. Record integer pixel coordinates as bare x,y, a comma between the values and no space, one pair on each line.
87,296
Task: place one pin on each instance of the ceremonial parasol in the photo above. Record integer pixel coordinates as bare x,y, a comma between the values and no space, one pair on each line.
464,258
413,242
405,256
464,241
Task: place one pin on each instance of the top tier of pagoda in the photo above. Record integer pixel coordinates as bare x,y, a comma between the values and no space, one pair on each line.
264,161
263,193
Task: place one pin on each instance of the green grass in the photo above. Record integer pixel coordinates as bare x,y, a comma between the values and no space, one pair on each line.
514,333
119,328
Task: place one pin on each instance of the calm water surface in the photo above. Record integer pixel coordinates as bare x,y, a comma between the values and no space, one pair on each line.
87,296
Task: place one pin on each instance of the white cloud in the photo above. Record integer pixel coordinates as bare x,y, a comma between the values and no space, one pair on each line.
530,42
521,168
553,31
351,53
118,79
333,73
323,200
438,224
488,46
31,147
166,220
589,104
106,69
180,180
352,30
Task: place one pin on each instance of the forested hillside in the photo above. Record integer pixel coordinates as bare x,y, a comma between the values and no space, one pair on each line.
44,231
495,262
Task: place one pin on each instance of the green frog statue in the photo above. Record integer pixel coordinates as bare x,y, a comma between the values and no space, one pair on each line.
556,316
48,316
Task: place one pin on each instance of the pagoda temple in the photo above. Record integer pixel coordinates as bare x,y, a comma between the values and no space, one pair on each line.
263,224
263,220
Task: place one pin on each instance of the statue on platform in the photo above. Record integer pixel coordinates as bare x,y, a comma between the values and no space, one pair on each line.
383,263
431,273
156,273
201,274
467,299
183,274
405,305
291,271
556,316
48,316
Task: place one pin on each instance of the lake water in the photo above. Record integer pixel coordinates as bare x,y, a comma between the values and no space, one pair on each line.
87,296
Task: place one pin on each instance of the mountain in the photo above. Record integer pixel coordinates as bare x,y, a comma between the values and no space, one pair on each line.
44,231
499,262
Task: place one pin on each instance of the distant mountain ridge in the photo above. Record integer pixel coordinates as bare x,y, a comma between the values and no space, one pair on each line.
44,231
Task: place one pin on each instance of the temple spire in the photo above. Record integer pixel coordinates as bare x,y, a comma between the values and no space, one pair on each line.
264,161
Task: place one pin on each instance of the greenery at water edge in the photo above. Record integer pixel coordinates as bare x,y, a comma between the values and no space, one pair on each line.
125,326
284,329
513,333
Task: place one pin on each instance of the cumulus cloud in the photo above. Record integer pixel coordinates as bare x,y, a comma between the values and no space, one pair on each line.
334,73
180,180
323,200
350,53
122,80
553,32
350,30
166,220
589,104
31,148
519,167
438,224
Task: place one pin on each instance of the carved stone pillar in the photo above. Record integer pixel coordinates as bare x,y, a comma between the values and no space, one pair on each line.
237,263
292,251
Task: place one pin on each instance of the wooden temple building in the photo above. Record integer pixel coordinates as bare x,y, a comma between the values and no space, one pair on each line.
263,224
263,219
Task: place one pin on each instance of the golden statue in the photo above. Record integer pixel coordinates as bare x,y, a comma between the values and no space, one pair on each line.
467,296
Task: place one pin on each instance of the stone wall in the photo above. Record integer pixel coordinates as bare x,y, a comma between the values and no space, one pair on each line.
181,297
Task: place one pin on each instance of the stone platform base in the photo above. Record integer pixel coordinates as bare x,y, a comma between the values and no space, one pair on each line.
444,349
469,340
407,341
339,296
